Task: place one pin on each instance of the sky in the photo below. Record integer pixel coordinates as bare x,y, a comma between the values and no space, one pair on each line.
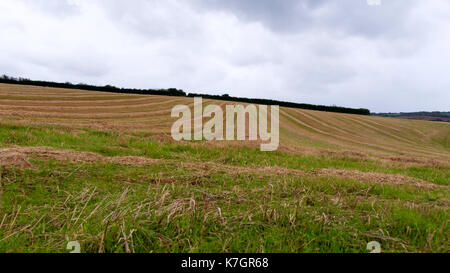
390,57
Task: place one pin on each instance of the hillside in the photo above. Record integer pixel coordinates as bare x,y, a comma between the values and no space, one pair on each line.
179,93
103,169
430,116
302,130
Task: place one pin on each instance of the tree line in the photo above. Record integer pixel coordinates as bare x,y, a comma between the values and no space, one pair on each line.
336,109
437,114
83,86
181,93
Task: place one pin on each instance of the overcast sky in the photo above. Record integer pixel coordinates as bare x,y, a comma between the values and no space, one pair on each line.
391,57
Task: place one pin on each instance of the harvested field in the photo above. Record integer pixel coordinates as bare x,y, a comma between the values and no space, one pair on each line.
17,157
362,134
103,169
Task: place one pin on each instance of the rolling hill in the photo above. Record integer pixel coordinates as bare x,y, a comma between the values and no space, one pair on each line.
102,168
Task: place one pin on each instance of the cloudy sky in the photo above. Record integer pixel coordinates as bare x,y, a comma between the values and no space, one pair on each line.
391,57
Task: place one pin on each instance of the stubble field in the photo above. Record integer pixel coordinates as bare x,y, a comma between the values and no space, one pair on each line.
102,169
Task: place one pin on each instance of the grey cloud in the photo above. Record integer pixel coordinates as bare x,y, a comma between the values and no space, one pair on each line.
57,8
351,17
286,15
315,51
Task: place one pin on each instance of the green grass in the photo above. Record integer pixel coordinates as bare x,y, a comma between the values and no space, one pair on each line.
169,208
119,144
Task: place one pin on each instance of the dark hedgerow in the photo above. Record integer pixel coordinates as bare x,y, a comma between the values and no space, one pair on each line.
181,93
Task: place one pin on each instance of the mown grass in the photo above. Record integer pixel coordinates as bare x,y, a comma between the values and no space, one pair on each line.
167,207
67,98
111,143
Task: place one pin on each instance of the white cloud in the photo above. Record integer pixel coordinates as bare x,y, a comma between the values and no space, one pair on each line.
392,57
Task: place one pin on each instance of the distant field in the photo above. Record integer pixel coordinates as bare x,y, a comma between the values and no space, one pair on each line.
429,118
102,168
